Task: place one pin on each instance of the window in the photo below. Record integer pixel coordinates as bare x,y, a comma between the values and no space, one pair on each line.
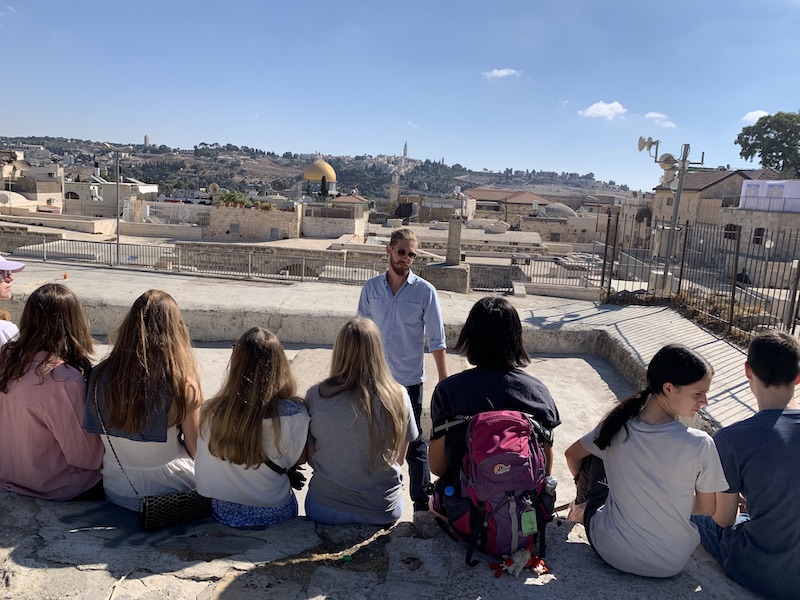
731,231
758,236
670,200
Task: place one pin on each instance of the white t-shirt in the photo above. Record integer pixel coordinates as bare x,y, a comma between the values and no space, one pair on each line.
224,480
8,331
644,526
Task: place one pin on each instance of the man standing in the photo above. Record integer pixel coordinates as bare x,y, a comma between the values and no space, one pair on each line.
7,268
404,307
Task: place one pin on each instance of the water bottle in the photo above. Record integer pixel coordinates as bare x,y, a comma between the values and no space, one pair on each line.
550,484
449,491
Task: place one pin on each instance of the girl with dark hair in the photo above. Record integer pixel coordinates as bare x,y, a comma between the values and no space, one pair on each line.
491,339
43,450
251,434
148,394
641,473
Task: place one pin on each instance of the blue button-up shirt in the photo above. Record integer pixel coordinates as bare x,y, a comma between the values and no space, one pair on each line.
403,319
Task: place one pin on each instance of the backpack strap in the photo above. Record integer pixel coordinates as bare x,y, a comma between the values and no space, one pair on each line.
448,425
478,524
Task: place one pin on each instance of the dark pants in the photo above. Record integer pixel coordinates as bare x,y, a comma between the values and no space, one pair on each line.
592,488
417,455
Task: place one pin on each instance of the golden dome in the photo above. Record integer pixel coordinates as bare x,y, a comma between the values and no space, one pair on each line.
319,169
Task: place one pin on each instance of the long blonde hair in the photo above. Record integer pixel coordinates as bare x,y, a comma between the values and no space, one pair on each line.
152,353
258,378
358,365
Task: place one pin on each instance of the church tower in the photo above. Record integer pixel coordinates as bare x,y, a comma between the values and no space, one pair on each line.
405,150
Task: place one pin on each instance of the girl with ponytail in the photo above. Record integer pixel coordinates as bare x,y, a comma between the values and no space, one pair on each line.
641,473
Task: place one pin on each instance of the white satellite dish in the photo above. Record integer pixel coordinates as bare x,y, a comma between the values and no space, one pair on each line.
667,161
184,214
4,199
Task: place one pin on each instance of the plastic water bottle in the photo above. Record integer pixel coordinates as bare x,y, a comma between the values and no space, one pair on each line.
449,491
550,484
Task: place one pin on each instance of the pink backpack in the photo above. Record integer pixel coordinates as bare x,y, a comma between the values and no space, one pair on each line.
502,504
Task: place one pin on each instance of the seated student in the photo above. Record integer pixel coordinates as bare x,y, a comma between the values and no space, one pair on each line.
251,433
148,394
8,330
760,459
491,339
43,450
361,425
659,471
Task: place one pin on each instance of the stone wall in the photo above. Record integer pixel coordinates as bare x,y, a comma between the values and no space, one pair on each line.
235,223
70,222
779,227
569,230
155,230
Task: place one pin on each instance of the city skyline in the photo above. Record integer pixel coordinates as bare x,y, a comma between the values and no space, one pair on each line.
565,88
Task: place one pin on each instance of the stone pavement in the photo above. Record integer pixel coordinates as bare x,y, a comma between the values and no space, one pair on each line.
587,354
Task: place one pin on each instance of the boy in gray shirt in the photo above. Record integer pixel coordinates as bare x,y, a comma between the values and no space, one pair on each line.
759,456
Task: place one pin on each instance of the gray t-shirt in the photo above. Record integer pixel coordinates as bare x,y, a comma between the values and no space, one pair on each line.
760,458
644,526
342,478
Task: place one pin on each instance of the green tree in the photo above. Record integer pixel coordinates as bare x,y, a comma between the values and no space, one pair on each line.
775,139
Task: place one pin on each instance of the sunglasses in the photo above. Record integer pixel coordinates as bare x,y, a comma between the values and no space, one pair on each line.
403,252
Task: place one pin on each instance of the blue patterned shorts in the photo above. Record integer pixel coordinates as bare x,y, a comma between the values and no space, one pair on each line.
241,515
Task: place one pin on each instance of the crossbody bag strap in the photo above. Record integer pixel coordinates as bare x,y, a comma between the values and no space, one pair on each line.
276,468
110,445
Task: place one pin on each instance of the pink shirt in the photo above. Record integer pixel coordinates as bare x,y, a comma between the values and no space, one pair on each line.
44,452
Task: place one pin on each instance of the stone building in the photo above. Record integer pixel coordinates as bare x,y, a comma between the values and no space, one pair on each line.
703,195
506,205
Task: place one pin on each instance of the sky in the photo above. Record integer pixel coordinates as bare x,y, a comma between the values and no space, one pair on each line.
560,85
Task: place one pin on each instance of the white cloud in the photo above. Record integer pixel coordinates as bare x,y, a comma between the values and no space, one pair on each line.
604,110
500,73
754,115
412,124
660,120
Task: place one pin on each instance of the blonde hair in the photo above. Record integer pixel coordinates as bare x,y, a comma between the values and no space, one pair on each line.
258,378
152,354
358,365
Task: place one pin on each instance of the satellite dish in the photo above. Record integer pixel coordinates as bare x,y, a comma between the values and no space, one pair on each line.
213,188
183,214
645,144
4,199
667,162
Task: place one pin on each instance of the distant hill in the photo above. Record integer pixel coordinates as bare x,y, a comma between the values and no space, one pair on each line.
250,169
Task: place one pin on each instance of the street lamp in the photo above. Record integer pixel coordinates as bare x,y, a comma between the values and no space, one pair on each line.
117,152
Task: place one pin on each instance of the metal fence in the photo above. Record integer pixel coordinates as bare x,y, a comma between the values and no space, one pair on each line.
732,282
172,259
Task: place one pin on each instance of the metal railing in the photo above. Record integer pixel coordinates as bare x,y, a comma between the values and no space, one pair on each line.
172,259
573,271
733,281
